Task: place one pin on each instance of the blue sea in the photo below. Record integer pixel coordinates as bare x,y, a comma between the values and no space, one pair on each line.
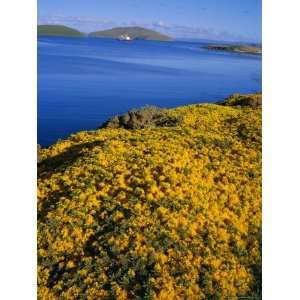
84,81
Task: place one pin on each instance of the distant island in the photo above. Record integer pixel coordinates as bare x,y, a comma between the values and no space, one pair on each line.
135,33
236,48
58,30
122,33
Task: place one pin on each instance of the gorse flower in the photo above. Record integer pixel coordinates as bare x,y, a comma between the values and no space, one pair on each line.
153,213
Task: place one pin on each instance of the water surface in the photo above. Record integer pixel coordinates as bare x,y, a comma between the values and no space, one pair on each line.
84,81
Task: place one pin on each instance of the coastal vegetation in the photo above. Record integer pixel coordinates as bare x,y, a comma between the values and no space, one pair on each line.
58,30
134,33
249,49
148,209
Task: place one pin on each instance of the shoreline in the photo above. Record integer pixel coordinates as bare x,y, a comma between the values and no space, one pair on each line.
242,49
236,99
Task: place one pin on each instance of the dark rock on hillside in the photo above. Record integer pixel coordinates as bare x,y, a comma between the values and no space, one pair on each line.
252,100
146,117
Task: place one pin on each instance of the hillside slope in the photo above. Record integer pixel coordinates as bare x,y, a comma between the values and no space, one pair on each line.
169,211
58,30
133,32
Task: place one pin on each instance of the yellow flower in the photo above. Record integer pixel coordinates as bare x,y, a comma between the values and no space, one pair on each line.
70,264
174,212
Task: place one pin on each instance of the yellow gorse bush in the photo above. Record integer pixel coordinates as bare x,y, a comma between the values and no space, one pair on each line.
161,213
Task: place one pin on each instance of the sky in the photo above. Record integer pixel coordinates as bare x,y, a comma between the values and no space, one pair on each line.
231,20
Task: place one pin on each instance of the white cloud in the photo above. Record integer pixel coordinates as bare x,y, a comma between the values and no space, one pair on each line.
160,24
83,24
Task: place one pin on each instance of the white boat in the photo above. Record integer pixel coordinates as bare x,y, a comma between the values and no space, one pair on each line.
124,37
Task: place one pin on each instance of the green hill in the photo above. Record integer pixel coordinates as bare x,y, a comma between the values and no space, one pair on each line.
58,30
158,204
133,32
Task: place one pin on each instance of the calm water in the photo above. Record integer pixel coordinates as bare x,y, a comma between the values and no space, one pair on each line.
83,82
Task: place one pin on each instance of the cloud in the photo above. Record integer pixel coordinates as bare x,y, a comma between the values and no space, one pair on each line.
183,31
83,24
160,24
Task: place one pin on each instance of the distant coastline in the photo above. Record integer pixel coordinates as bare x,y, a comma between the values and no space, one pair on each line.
141,33
135,33
58,30
236,48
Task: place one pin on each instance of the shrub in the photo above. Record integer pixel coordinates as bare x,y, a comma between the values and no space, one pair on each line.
154,213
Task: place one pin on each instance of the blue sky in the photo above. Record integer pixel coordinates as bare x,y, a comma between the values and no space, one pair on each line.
207,19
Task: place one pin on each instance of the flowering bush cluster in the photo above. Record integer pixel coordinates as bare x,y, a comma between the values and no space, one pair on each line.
154,213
